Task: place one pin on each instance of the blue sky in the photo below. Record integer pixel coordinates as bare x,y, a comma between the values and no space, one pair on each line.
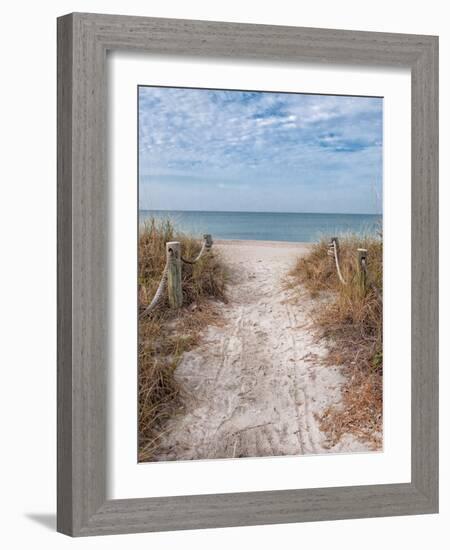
259,151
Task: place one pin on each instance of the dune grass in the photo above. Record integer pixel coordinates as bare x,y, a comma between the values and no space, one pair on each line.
166,334
351,320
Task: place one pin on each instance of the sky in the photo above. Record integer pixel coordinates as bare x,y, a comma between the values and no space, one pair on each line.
221,150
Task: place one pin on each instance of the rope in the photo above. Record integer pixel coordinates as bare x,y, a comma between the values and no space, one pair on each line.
332,251
163,282
159,292
338,269
197,258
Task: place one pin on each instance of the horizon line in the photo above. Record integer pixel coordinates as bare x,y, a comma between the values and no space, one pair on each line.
261,212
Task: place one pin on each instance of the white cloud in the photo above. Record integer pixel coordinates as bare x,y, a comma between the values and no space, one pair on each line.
252,138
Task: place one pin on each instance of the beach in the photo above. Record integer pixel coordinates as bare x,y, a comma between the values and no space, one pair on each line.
256,384
290,227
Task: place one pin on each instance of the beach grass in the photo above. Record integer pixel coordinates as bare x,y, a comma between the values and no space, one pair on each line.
351,320
166,334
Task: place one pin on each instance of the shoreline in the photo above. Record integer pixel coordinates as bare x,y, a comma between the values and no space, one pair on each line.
258,212
250,242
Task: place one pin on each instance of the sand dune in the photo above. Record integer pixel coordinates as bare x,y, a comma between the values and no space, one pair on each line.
255,385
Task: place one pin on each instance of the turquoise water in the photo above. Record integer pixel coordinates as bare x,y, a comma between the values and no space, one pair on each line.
267,226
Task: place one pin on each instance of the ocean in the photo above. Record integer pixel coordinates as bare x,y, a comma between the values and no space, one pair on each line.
267,226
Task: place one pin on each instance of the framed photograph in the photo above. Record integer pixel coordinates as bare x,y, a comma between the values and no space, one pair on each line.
247,274
243,355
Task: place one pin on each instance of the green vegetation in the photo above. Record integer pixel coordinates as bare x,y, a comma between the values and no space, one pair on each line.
351,319
166,333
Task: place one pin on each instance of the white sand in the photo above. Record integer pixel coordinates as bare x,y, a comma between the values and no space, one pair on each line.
255,385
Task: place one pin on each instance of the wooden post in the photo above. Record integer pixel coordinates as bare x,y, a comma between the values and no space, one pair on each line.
336,240
208,240
330,251
362,269
173,255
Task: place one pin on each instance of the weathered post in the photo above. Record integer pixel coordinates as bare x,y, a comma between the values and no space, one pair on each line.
330,251
334,247
334,251
173,255
335,241
362,269
208,241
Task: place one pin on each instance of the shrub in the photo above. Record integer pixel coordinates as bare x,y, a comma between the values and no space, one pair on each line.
166,334
351,320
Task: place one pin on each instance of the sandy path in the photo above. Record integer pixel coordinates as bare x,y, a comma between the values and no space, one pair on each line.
255,384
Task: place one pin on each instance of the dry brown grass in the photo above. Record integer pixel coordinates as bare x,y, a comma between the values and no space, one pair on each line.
351,321
166,334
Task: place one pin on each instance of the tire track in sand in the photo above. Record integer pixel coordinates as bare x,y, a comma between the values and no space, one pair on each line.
255,384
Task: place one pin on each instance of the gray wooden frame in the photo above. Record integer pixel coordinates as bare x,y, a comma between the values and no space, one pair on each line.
83,40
